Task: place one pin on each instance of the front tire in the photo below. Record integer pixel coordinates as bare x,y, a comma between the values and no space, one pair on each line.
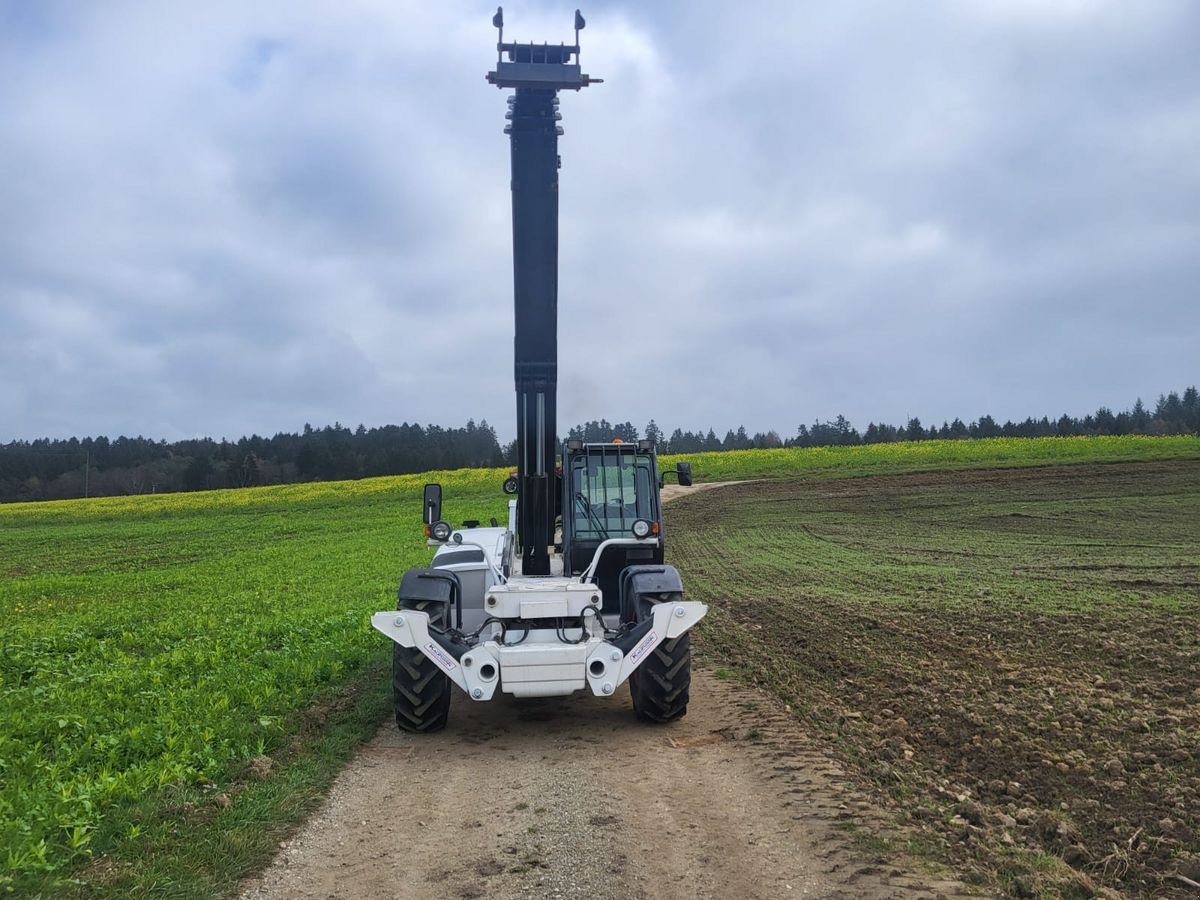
660,686
420,690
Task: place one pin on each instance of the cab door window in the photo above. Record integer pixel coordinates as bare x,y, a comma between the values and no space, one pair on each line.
609,492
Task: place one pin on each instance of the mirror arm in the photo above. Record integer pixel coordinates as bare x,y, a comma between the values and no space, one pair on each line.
431,503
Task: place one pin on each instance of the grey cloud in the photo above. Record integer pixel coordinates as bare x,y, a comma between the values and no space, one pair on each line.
231,219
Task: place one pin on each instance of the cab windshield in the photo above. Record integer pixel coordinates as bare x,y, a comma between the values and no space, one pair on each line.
610,489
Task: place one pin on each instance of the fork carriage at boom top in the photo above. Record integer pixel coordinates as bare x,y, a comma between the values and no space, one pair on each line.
573,592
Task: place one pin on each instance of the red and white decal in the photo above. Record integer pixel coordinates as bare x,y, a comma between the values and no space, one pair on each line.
439,656
644,646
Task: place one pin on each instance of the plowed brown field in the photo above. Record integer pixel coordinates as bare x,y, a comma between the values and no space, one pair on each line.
1009,659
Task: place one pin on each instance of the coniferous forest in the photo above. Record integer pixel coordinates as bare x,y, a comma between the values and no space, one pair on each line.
47,469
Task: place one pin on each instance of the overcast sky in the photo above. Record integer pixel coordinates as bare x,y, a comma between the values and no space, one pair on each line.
225,218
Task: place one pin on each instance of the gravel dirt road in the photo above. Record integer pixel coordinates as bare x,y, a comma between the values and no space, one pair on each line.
572,797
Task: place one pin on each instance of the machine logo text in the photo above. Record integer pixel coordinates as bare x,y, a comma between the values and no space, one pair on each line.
439,656
643,647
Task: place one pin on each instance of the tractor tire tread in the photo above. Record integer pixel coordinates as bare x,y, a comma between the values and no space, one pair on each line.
420,690
661,686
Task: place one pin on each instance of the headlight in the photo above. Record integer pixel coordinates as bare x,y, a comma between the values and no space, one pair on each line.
641,528
441,531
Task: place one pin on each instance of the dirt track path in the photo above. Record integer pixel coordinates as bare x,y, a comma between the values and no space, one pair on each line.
572,797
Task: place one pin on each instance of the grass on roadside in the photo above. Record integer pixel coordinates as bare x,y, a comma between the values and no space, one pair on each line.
153,646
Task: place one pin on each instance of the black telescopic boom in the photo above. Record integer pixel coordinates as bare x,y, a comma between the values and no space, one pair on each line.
537,72
534,135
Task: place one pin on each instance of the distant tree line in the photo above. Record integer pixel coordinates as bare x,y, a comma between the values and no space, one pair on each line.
51,470
56,469
1173,414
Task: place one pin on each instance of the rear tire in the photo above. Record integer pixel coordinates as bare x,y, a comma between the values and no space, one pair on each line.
420,690
661,685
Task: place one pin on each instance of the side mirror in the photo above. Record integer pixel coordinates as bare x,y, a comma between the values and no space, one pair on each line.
433,504
683,472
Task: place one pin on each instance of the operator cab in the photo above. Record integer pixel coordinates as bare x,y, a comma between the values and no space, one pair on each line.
606,489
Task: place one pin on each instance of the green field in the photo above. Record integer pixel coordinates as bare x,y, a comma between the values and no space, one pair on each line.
181,674
155,645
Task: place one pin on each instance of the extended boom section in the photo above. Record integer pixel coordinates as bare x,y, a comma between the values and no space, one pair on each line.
574,592
537,73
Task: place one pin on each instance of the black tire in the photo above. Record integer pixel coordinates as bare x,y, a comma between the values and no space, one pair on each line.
420,690
660,686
